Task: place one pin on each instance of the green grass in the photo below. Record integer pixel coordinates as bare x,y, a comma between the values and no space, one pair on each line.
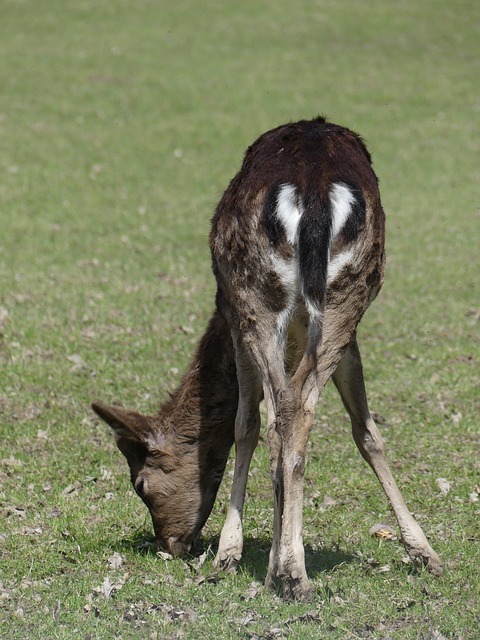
121,122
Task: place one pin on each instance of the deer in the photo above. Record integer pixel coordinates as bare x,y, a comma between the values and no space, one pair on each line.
298,252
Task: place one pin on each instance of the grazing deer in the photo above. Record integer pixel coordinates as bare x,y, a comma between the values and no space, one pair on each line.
297,242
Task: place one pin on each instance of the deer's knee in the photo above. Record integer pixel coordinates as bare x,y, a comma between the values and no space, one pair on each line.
368,438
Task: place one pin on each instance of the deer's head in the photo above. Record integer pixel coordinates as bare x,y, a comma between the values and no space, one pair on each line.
177,478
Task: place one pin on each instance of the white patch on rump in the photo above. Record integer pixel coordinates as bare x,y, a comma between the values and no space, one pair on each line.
342,200
337,263
289,275
288,211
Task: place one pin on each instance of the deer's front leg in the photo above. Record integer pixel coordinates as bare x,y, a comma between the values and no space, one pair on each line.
349,381
247,428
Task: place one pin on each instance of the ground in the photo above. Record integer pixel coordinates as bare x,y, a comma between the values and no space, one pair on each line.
121,123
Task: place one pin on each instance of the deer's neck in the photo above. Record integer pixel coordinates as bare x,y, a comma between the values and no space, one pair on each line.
204,406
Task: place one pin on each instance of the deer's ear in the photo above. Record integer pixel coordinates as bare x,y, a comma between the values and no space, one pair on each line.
130,426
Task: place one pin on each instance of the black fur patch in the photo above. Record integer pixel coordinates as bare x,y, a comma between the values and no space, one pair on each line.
356,220
313,244
273,228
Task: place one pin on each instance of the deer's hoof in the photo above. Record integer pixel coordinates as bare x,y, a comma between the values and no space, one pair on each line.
226,561
434,564
426,558
297,589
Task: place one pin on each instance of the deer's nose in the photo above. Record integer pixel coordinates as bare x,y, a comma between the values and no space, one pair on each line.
174,546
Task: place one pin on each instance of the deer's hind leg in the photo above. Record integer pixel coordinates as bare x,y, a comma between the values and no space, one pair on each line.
349,381
321,357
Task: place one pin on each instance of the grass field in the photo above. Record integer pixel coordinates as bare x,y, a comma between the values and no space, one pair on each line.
121,122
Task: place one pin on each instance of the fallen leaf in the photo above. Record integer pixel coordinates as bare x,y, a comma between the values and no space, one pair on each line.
31,412
30,531
379,419
107,588
456,417
106,474
3,317
248,618
20,298
11,462
77,362
252,591
197,563
187,330
211,579
475,493
383,531
115,561
327,502
444,486
183,615
16,511
310,616
88,333
71,488
88,608
56,610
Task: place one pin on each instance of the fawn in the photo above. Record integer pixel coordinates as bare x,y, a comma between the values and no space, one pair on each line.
297,244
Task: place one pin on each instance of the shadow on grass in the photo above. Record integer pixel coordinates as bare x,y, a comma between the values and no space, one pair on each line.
255,553
317,561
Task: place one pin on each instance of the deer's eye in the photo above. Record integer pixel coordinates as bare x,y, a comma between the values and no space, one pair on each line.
139,488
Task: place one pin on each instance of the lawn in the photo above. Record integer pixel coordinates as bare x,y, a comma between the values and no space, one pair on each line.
121,122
